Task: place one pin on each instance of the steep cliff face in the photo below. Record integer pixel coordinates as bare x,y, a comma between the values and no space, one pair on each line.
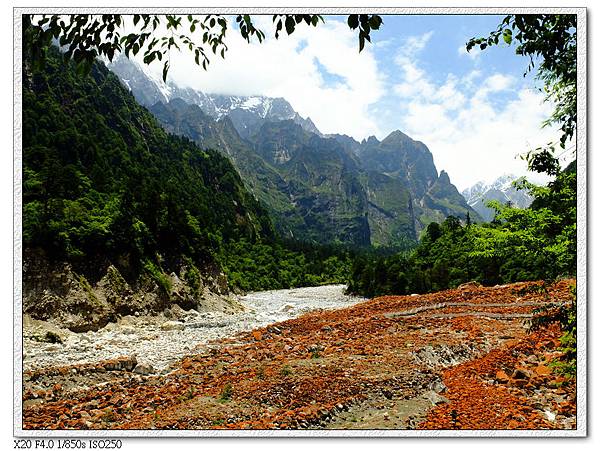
441,200
401,157
324,181
309,184
410,164
391,213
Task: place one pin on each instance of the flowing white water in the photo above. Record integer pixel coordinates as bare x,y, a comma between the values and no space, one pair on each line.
143,337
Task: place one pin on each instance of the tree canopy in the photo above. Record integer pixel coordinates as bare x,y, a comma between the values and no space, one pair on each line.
86,37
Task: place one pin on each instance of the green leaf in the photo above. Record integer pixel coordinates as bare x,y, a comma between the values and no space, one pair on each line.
165,71
375,22
353,21
289,25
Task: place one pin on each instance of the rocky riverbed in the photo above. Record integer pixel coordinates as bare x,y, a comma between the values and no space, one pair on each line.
455,359
160,340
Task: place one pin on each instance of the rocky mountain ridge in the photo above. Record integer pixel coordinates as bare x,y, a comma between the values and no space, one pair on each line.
501,189
328,189
247,113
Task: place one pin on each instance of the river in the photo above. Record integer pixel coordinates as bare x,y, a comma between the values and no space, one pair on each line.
144,338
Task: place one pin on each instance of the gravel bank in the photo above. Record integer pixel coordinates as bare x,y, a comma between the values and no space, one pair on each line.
144,337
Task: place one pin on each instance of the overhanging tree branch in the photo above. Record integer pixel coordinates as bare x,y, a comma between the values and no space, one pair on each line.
86,37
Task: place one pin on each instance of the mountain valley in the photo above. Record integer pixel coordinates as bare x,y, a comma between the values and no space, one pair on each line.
317,188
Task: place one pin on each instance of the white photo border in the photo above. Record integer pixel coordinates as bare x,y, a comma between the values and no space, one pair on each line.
582,287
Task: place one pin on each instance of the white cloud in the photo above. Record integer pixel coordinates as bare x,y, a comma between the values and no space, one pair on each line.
288,68
415,44
473,130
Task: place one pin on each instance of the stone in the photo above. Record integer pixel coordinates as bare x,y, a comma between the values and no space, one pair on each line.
435,398
550,416
542,370
387,393
521,373
532,359
172,325
143,368
502,377
437,386
472,284
315,348
129,363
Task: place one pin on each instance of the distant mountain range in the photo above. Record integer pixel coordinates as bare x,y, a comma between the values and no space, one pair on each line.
501,189
317,188
247,113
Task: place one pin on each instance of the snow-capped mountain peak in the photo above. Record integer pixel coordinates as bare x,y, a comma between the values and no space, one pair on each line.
501,189
246,112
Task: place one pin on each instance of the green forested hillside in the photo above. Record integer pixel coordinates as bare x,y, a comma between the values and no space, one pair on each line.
309,184
104,184
102,179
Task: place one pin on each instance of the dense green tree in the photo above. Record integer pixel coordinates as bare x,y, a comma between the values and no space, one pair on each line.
552,39
104,184
254,266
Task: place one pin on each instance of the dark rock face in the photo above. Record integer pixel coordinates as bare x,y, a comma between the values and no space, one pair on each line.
401,157
327,189
410,165
55,292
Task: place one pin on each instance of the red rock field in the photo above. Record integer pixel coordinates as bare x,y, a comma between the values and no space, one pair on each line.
455,359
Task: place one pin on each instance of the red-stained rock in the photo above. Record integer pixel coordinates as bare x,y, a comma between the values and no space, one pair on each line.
502,377
542,370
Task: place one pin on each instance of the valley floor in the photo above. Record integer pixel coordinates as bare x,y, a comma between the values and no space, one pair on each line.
456,359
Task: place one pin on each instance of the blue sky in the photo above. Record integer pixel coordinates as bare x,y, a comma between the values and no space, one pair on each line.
449,33
476,112
441,55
